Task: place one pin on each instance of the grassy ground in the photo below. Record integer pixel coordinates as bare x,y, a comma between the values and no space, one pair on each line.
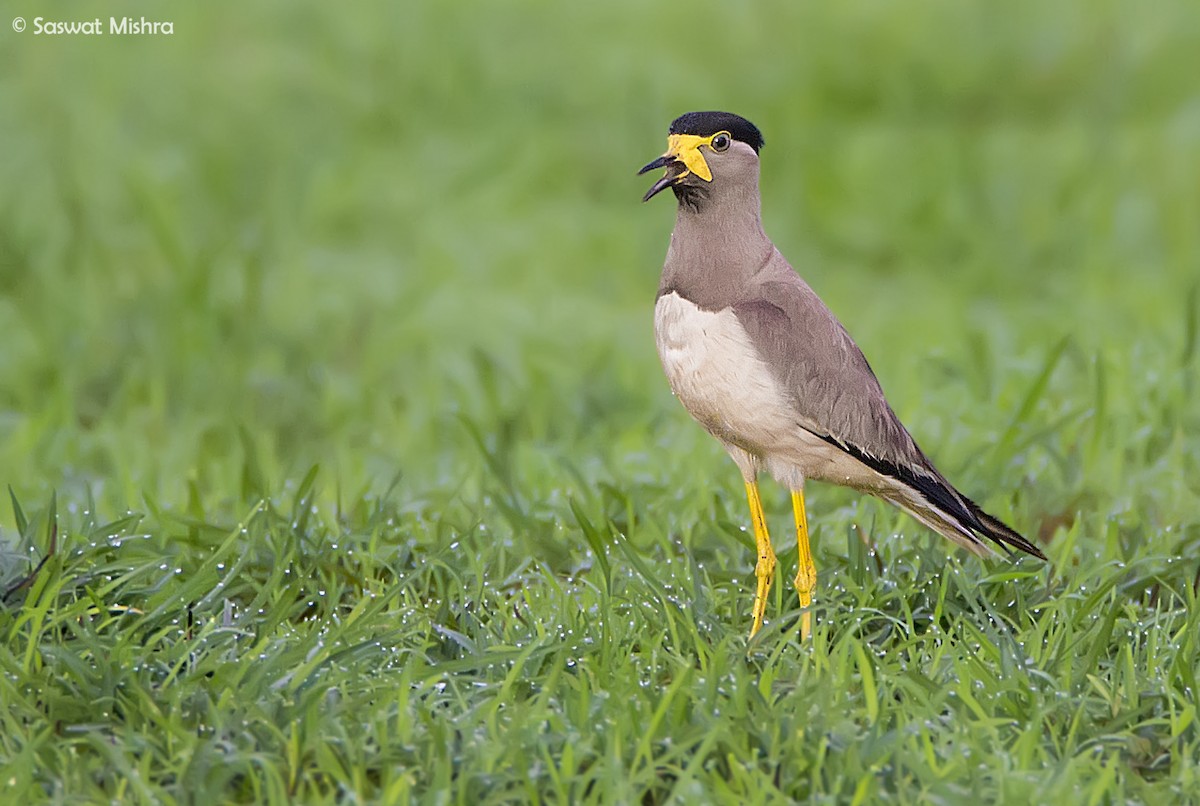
327,369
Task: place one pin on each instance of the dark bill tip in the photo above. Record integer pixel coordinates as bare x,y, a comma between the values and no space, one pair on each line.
659,186
661,162
675,170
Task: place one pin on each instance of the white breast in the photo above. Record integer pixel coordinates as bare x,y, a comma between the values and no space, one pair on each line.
717,374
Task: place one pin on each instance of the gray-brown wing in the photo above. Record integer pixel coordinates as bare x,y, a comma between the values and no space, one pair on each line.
834,390
838,398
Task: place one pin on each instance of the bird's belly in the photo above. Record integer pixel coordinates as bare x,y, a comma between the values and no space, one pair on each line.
718,375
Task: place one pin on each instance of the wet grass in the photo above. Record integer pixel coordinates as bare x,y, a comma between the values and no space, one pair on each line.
328,378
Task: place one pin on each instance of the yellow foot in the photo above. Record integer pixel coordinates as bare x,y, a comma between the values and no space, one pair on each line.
804,585
764,572
764,569
806,572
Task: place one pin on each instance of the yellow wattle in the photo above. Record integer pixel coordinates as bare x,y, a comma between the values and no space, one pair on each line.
686,149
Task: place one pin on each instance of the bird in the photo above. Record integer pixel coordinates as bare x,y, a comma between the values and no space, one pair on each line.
765,366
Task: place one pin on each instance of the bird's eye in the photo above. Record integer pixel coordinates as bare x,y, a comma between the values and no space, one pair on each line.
720,141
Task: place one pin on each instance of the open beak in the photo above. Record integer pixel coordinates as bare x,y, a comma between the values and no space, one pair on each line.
683,158
676,170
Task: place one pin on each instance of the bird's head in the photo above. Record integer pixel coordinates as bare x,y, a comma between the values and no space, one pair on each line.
706,151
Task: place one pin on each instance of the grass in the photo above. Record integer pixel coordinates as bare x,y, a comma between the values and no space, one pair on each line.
327,373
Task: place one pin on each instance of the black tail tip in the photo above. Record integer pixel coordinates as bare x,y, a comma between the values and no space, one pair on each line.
1005,535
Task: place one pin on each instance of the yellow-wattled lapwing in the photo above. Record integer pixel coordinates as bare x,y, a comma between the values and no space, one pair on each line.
756,357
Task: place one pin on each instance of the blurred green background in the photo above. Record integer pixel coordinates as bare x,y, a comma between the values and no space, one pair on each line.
403,242
346,230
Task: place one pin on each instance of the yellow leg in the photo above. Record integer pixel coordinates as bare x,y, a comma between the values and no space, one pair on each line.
764,569
806,574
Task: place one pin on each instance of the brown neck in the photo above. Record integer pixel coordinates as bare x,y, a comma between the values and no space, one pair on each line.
717,247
